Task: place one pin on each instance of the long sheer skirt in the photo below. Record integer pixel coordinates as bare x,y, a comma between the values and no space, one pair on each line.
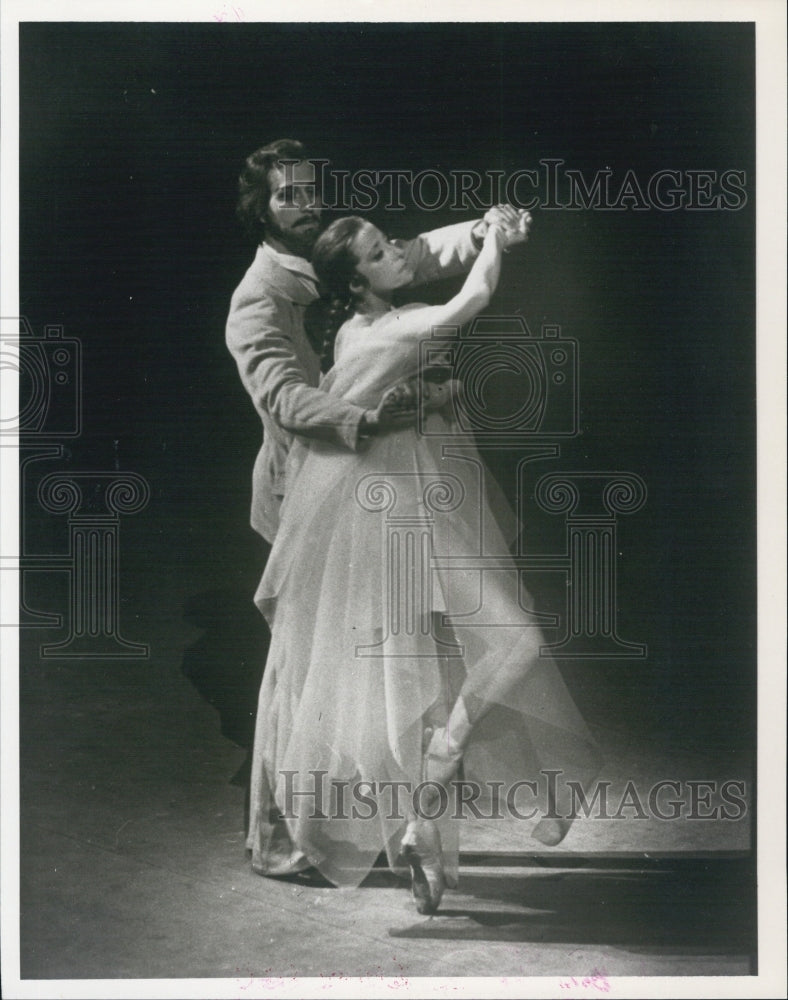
389,591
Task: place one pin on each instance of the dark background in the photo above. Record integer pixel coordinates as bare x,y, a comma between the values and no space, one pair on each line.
132,136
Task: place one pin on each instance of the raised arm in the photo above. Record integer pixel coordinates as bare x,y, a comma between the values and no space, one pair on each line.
474,295
441,253
451,250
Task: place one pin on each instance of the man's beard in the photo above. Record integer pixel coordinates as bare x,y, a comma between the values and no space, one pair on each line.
299,240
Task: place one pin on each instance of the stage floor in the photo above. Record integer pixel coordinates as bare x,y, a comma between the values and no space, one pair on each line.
133,862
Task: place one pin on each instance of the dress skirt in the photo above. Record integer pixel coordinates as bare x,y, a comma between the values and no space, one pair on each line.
389,590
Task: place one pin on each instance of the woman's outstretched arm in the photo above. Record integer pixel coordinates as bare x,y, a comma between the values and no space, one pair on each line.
474,295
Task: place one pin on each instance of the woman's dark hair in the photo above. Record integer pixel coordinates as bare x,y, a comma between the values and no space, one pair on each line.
335,263
254,189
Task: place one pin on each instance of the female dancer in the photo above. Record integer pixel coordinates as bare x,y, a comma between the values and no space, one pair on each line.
366,693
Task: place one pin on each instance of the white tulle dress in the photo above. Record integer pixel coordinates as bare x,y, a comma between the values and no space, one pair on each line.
380,616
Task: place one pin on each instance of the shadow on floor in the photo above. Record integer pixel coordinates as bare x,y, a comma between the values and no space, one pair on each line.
225,665
696,907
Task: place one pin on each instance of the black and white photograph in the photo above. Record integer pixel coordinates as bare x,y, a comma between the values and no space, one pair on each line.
391,571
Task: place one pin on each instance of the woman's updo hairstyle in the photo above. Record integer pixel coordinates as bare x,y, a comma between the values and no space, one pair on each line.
335,263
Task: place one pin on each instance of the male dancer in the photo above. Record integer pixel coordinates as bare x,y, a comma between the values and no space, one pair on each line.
280,206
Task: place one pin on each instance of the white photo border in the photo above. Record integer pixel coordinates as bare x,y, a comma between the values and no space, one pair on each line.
770,20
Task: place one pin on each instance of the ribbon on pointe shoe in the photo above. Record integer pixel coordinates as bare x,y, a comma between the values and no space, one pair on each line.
442,755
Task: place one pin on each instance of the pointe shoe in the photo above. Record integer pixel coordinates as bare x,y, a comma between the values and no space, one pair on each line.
421,849
551,830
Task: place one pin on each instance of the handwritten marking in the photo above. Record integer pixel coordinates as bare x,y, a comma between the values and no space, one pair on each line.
597,981
229,12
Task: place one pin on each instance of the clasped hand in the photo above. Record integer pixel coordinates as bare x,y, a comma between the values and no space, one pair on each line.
401,403
512,223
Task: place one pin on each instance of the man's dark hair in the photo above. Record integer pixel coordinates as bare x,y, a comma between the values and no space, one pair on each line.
254,189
